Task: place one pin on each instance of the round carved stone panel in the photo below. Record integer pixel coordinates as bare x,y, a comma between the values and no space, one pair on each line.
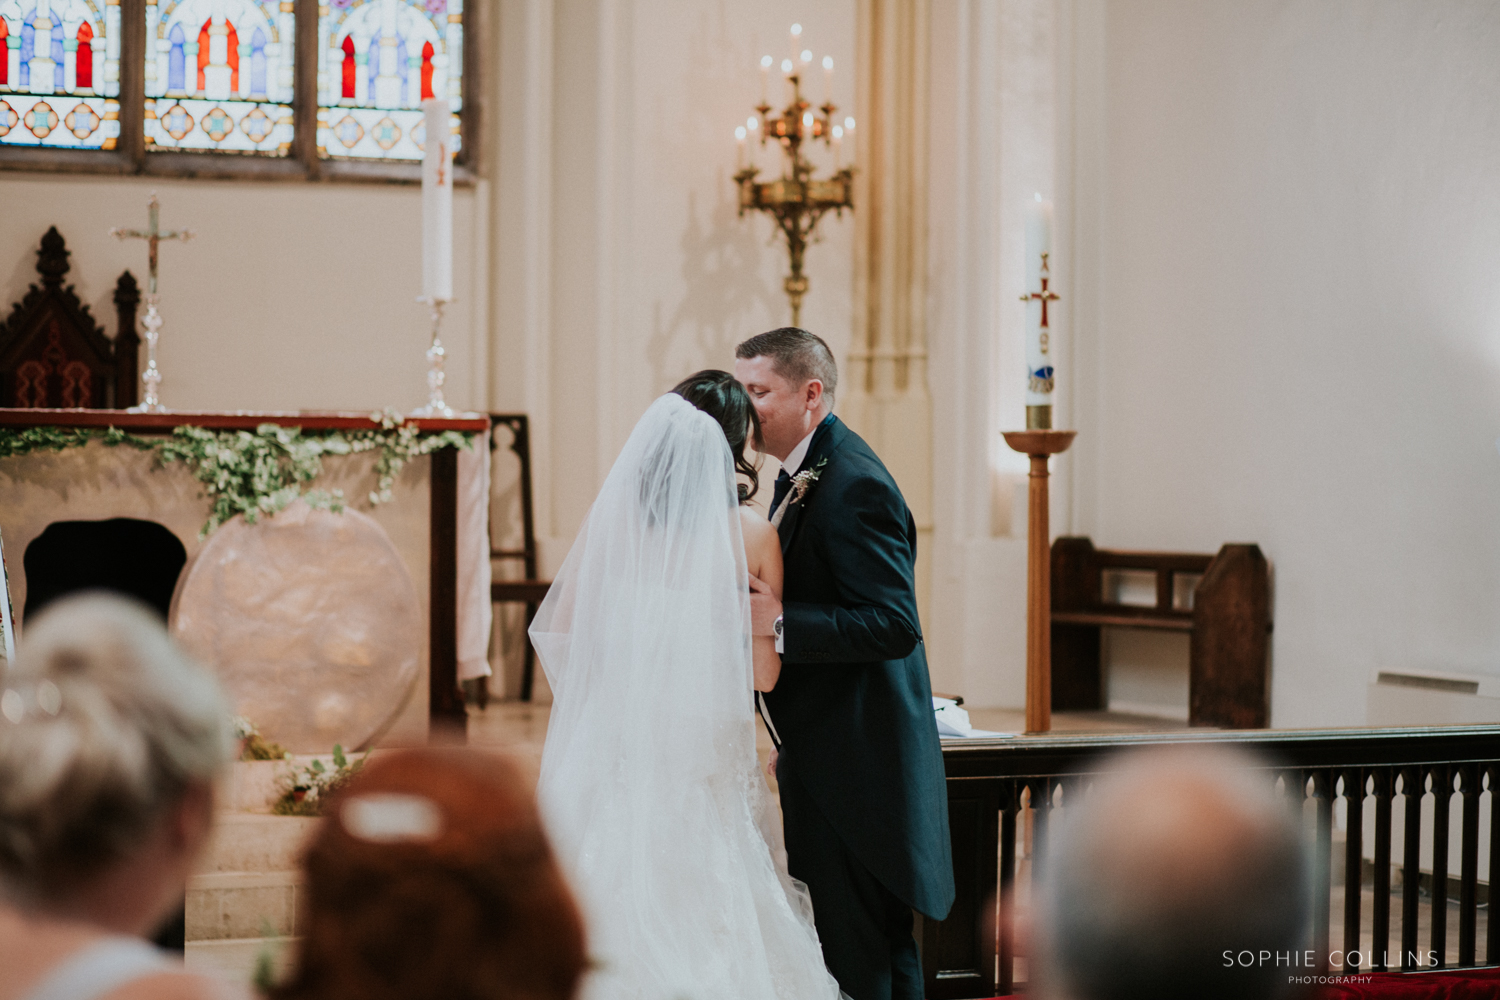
310,620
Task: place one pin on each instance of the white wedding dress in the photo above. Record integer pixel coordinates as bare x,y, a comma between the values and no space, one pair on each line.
650,786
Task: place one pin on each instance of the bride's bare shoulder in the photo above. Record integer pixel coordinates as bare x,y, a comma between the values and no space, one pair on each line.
757,529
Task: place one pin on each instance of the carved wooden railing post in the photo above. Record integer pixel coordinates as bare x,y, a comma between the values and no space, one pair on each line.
1384,785
1413,787
1468,775
1354,804
1442,802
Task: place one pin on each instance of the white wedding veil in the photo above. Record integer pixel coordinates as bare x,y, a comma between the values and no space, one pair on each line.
644,635
650,785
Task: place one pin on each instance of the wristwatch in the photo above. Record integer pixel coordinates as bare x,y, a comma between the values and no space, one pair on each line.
776,629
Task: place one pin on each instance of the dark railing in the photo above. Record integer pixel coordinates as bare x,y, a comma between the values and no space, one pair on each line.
999,786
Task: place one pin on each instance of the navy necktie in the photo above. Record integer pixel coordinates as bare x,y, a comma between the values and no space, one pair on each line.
783,484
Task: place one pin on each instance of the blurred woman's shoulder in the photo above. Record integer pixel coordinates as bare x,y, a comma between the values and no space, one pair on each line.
182,985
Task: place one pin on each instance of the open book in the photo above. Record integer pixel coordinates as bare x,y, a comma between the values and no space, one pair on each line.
953,721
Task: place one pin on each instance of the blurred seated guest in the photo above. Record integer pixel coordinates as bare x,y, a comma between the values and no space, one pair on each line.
110,740
1166,876
431,878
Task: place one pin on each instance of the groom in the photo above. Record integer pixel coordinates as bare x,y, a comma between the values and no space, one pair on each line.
858,761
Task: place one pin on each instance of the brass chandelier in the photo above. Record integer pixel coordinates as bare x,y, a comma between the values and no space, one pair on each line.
797,200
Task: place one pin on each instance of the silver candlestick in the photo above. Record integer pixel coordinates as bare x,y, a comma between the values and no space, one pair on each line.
152,376
436,405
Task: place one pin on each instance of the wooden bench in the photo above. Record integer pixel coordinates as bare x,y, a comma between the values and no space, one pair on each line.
1229,621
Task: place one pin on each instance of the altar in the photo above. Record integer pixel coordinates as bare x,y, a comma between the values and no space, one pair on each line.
420,512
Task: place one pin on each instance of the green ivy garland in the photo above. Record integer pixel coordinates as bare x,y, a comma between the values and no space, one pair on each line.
261,472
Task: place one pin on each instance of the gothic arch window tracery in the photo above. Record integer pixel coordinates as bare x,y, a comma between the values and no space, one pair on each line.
382,119
59,84
220,76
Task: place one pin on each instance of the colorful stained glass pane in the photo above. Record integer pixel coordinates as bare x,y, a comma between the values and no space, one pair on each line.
377,59
219,76
60,73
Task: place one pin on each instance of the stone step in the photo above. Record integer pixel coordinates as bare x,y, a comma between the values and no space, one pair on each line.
253,785
237,905
251,842
237,959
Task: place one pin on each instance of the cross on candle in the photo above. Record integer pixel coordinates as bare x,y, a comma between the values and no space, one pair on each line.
152,235
1044,296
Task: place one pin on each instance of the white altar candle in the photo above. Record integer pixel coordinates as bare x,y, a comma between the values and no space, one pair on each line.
1041,367
437,203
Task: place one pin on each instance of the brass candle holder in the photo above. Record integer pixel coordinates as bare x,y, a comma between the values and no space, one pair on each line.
797,200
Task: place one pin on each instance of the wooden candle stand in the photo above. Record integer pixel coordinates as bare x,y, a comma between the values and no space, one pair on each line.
1040,445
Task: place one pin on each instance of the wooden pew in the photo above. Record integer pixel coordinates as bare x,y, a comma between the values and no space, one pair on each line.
1229,626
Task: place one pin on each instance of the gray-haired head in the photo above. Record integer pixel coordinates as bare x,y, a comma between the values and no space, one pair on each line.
1165,876
796,355
104,725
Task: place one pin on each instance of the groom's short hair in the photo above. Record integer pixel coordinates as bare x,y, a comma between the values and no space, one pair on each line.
796,355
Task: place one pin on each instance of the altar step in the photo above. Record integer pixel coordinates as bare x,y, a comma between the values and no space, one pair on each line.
236,959
248,895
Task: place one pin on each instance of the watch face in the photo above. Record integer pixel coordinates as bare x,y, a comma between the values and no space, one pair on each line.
777,626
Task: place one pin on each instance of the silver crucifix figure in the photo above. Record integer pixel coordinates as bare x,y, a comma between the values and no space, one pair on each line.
152,320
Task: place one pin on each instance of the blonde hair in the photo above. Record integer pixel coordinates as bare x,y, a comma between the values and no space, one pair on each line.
104,724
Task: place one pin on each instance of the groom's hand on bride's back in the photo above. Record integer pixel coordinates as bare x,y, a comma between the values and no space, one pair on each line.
764,608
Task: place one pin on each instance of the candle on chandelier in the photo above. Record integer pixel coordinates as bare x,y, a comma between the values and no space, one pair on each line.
828,79
437,203
739,138
796,39
765,77
838,143
1041,366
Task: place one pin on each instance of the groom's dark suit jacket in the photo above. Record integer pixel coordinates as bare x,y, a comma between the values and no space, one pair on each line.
853,706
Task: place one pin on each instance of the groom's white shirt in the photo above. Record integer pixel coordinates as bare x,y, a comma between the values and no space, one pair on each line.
793,463
792,466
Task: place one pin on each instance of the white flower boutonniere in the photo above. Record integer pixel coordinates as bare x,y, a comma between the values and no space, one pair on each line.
801,483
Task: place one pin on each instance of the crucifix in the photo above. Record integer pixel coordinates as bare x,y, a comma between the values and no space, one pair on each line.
152,320
1044,296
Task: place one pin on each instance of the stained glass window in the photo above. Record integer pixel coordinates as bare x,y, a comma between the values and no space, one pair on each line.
60,73
377,61
219,76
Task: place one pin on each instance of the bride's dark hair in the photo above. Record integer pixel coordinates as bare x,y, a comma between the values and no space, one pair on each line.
720,396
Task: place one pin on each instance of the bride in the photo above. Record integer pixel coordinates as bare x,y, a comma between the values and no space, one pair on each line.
649,781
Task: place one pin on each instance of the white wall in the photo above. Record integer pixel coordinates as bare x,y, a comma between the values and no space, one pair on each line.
291,296
620,262
1290,257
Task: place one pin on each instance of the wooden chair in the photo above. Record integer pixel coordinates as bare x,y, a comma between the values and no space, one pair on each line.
528,591
1229,623
53,354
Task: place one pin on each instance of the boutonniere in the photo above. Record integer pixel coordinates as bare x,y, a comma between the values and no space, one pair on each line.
801,483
